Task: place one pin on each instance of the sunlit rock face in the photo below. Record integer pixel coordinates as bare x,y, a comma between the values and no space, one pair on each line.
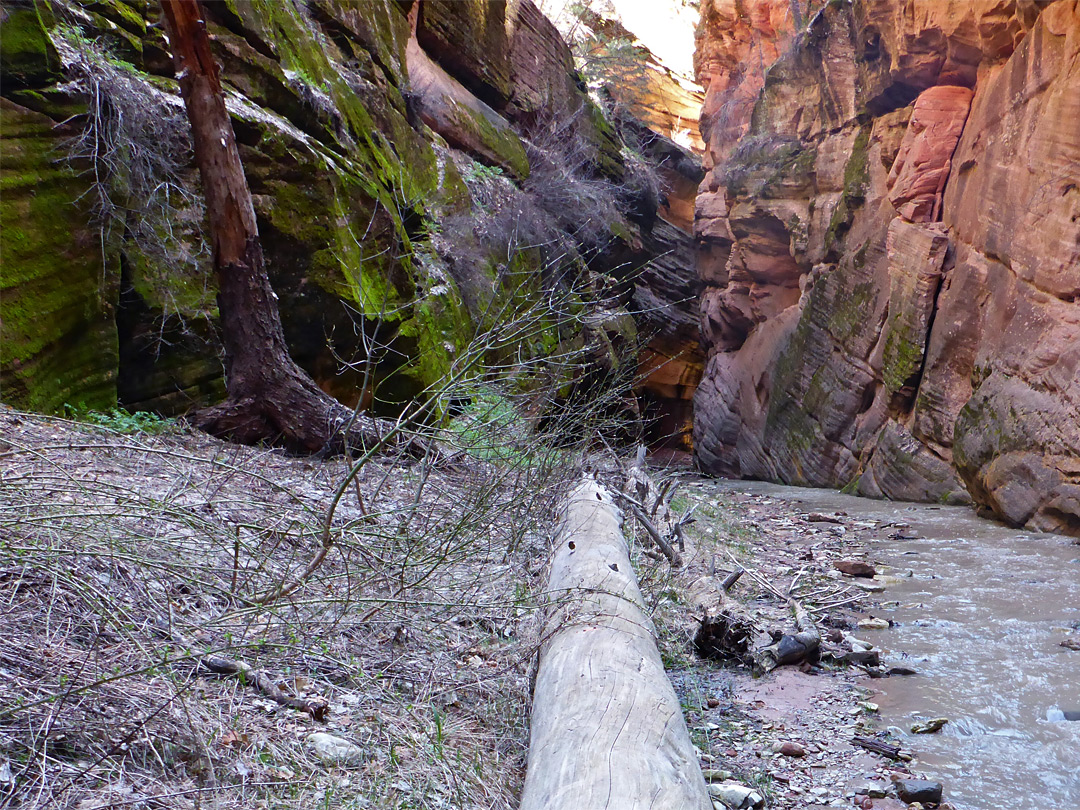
640,54
889,248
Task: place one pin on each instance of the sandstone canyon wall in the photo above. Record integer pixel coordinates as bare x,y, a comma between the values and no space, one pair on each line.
638,57
889,242
411,163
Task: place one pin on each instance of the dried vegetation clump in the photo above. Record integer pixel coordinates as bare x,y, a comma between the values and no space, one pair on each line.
133,147
133,565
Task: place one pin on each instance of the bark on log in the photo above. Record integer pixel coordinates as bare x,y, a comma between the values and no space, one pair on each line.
607,728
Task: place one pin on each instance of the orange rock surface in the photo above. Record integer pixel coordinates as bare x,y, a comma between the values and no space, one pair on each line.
889,248
917,178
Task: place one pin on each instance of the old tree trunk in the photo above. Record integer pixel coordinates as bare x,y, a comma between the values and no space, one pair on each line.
607,729
270,398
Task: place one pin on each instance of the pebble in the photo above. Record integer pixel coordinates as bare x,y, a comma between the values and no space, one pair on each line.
874,624
334,751
714,775
734,796
918,790
1061,716
869,587
930,726
899,671
855,568
792,749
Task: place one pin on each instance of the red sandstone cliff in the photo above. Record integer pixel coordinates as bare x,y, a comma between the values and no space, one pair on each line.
889,239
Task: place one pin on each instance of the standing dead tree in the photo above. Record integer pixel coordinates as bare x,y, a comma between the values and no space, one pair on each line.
270,398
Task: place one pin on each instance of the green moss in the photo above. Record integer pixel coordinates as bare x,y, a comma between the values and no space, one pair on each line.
856,177
188,291
857,172
59,341
453,192
903,356
27,54
498,144
606,142
122,13
769,165
50,101
376,28
440,328
316,63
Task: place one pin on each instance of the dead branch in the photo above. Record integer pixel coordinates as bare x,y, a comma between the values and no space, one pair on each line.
729,581
669,551
669,484
879,747
221,665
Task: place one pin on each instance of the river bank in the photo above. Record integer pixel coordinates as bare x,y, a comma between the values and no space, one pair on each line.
136,557
986,617
789,735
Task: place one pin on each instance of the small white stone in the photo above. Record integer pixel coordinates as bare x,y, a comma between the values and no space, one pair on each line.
335,751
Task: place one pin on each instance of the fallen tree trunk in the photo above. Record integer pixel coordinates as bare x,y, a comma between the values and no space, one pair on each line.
607,727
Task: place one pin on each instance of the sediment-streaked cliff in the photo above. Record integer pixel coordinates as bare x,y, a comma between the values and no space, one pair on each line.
889,239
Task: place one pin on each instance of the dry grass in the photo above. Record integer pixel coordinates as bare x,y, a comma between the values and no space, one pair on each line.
125,559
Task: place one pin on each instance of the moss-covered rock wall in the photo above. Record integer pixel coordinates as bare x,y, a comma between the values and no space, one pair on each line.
369,131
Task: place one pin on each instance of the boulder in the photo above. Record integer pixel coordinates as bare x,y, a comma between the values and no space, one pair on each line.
855,568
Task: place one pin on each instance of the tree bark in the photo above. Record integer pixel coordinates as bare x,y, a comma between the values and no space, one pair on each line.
269,397
607,727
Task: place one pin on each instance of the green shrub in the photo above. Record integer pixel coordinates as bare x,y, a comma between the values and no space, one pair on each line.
120,420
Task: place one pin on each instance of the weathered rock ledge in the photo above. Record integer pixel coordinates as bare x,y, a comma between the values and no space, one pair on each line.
889,243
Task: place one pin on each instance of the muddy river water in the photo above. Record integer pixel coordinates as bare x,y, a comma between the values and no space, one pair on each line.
980,617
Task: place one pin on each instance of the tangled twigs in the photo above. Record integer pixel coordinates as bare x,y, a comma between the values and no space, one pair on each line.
661,542
221,665
635,495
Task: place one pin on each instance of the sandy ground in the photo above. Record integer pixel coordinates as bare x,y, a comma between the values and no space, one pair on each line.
741,723
127,559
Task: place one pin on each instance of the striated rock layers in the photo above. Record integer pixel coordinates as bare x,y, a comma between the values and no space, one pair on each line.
636,56
415,166
889,239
